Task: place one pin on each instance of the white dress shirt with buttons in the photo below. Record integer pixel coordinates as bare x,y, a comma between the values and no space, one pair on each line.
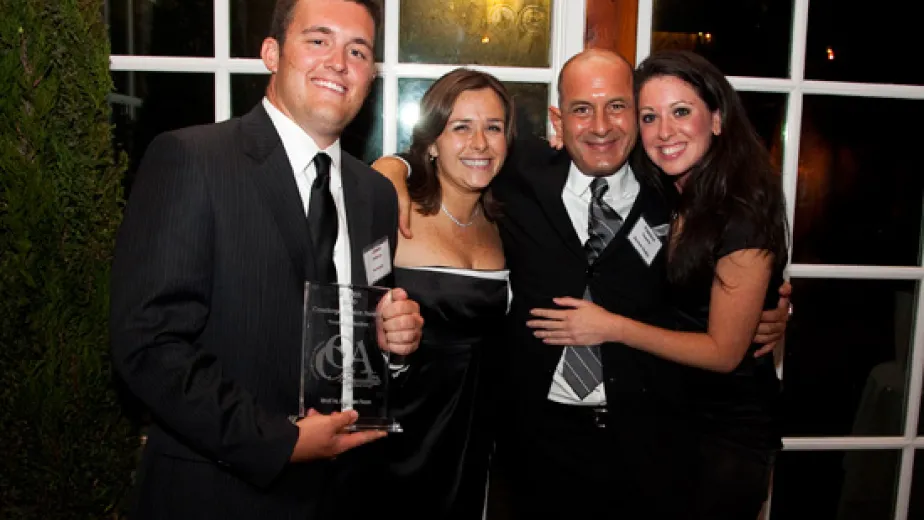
301,149
623,190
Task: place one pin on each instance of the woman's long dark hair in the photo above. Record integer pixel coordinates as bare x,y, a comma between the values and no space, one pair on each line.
435,109
734,184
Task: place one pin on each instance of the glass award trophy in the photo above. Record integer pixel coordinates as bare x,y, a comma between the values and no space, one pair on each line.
343,367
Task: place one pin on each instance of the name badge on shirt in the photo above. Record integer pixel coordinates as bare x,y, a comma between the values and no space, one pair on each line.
377,259
645,241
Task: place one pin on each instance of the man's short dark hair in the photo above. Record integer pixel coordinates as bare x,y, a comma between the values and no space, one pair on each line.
284,12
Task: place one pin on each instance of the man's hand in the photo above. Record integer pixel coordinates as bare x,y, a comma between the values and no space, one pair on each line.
395,170
585,323
400,323
323,436
772,326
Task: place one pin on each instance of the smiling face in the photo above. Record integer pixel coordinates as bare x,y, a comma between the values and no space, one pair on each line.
322,73
675,124
473,145
596,117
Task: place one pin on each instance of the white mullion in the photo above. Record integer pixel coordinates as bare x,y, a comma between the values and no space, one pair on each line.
753,84
569,21
222,56
843,443
858,272
877,90
120,62
918,443
246,66
519,74
392,28
643,30
913,407
905,476
791,142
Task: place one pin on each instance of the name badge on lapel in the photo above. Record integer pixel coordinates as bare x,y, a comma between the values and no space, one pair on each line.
377,259
645,241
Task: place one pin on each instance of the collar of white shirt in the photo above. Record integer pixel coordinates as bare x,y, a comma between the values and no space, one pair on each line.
299,146
623,184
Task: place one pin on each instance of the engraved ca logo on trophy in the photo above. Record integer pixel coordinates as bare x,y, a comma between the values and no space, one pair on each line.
328,363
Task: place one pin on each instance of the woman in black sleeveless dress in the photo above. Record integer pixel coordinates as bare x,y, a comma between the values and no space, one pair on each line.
726,253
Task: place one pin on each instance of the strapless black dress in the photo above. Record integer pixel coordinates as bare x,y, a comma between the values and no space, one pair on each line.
437,468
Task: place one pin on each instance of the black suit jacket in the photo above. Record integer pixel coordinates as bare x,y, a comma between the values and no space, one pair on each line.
207,293
547,260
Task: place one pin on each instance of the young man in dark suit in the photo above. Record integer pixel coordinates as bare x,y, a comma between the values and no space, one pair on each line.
610,442
224,225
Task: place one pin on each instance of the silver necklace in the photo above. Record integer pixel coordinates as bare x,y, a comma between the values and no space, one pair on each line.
456,221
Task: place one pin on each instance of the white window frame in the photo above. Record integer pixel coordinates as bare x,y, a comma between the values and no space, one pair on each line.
797,87
566,39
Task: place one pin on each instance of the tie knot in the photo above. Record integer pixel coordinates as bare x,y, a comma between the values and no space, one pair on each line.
322,164
599,187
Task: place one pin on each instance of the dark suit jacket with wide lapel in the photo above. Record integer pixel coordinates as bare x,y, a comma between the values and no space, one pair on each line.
207,293
547,260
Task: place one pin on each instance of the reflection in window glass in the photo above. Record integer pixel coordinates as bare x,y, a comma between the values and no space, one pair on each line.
858,199
742,38
362,138
531,101
876,45
250,25
485,32
851,485
163,28
847,353
767,113
145,104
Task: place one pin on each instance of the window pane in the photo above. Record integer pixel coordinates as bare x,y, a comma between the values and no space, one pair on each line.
163,28
250,24
858,198
531,100
363,138
877,45
767,112
852,485
484,32
146,104
847,352
742,38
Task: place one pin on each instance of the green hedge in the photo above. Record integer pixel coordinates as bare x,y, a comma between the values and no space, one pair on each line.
65,449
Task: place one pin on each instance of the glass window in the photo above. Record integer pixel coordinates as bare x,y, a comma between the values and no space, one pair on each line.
484,32
851,485
362,138
145,104
531,100
875,45
767,113
858,198
163,28
847,352
250,25
742,38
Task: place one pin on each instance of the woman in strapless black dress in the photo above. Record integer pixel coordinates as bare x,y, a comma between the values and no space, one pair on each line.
454,268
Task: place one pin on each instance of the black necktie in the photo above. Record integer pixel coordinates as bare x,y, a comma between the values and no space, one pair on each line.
322,220
582,368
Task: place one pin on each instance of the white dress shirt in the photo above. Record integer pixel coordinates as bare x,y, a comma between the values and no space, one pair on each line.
623,190
301,149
